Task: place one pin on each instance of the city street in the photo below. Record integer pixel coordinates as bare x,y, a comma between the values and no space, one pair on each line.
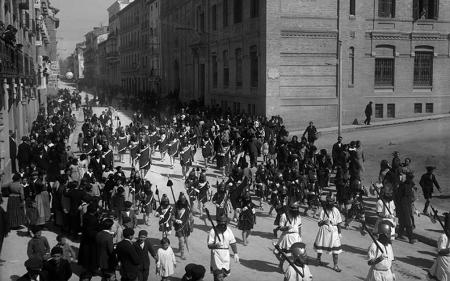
257,260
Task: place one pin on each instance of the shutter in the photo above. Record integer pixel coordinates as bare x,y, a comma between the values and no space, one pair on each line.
416,10
436,9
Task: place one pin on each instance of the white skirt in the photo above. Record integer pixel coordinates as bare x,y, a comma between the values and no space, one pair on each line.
377,275
328,240
441,269
287,239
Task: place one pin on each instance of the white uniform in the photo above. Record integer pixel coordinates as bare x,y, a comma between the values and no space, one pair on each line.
327,238
385,215
291,235
382,270
220,258
441,267
291,275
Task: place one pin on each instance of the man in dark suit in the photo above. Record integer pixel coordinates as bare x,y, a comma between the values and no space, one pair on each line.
13,151
368,113
336,151
128,257
97,165
24,153
105,250
143,248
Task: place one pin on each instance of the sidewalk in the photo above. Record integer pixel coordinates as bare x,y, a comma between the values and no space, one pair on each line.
351,128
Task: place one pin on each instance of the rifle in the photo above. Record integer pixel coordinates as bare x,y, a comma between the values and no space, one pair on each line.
157,194
212,223
373,238
291,263
384,203
171,189
439,220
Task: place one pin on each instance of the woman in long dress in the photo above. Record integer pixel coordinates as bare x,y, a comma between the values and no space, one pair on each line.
15,208
328,237
42,200
440,270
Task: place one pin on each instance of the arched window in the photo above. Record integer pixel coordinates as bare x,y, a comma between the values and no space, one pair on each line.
423,66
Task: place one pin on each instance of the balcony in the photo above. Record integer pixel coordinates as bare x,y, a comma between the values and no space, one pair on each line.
8,59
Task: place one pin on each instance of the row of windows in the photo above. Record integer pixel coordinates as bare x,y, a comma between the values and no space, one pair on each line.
253,54
390,109
385,66
422,9
238,13
236,107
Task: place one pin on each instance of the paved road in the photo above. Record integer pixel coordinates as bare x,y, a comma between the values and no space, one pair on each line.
257,260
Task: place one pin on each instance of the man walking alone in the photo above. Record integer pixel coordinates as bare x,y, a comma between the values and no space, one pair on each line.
368,113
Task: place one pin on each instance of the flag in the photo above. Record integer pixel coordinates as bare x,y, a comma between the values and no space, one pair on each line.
144,158
122,145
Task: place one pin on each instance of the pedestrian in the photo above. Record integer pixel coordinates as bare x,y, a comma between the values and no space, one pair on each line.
42,204
4,225
329,235
15,208
219,243
57,268
381,262
247,217
128,257
24,153
427,182
68,252
183,223
34,271
87,255
368,112
440,270
166,260
38,246
406,195
106,257
300,257
311,132
128,213
144,247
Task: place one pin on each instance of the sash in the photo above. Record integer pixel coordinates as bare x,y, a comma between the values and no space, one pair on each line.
122,144
144,158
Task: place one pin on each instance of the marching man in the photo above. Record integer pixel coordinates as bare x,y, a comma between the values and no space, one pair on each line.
381,255
301,271
219,242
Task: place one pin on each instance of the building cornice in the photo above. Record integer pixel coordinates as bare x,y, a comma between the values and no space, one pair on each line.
311,34
415,36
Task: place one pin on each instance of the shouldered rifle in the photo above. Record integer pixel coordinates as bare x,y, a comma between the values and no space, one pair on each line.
157,194
439,220
379,196
212,223
291,263
373,239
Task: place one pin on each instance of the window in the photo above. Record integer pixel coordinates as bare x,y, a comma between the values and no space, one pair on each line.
425,9
391,110
238,55
423,69
352,7
254,8
384,72
214,71
237,11
429,108
253,66
214,17
386,8
417,108
226,70
351,54
378,110
225,13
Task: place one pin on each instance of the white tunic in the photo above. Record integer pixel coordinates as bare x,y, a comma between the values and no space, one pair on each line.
383,214
220,258
291,235
291,275
327,238
441,266
382,270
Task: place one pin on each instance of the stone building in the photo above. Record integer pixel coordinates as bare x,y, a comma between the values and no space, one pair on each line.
27,38
293,57
91,64
78,61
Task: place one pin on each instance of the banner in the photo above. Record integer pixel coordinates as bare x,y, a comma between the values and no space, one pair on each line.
144,158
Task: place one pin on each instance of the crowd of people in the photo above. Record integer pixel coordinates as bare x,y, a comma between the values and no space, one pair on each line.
90,200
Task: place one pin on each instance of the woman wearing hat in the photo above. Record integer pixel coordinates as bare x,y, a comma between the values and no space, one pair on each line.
440,270
328,237
16,202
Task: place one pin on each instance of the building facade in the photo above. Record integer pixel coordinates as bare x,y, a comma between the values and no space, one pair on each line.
91,65
78,61
292,58
25,61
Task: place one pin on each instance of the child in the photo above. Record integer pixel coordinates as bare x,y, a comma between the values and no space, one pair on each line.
38,246
80,142
166,260
68,252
